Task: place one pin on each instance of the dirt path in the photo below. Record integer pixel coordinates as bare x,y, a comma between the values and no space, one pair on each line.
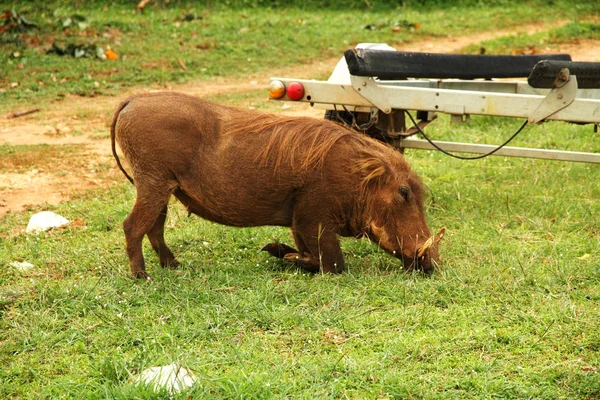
84,123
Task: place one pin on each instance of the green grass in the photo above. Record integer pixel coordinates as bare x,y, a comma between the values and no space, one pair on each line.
514,313
576,30
218,42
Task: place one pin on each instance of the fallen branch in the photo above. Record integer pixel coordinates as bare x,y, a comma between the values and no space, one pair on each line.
21,113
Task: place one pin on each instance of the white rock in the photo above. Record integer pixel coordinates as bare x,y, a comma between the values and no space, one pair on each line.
44,221
173,378
21,266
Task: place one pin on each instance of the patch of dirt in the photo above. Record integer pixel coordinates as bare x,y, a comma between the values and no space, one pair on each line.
34,187
84,123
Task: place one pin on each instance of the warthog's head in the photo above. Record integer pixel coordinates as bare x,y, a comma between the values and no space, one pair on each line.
393,214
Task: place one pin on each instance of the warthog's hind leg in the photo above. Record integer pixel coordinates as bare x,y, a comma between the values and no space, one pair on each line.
149,206
156,235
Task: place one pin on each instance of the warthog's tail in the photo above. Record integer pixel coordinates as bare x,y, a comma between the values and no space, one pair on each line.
113,140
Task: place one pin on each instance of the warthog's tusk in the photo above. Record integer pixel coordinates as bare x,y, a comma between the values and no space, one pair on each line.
439,235
425,247
433,239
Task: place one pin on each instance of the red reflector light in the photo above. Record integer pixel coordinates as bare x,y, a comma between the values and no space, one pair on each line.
295,91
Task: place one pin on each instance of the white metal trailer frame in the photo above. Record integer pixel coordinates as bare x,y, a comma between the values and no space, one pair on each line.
459,98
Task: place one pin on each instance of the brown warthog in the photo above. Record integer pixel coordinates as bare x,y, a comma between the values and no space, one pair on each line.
242,168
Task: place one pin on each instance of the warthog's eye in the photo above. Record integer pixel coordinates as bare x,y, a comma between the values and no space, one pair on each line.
404,192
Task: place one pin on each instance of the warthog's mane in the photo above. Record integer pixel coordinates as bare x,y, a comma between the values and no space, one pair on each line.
302,141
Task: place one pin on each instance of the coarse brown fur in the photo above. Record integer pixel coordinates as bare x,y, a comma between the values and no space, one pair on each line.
243,168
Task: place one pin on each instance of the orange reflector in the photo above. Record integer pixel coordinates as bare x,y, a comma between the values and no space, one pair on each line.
276,89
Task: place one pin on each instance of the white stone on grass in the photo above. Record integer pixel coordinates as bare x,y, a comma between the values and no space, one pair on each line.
172,377
44,221
22,266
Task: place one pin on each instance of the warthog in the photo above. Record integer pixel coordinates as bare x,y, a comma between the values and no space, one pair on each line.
242,168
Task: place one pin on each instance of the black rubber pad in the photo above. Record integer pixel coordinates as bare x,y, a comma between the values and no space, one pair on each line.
396,65
545,73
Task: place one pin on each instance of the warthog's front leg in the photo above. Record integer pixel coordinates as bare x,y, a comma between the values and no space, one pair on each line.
290,254
318,249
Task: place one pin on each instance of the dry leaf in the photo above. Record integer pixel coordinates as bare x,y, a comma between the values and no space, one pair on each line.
142,4
111,55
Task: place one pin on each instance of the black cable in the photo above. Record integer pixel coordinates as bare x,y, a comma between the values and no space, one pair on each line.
353,123
462,157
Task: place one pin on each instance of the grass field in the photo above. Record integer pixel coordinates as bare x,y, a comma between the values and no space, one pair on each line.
514,313
183,42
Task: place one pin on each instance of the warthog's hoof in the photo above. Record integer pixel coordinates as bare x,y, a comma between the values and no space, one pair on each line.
278,250
302,262
142,275
171,264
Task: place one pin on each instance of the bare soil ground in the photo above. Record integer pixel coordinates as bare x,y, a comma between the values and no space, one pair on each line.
29,181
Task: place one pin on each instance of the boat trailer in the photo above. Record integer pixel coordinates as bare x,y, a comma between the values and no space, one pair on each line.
373,88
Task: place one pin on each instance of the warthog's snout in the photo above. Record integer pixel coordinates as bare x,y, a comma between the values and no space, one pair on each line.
426,257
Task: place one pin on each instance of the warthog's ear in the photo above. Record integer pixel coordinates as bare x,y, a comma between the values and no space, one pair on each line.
373,171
